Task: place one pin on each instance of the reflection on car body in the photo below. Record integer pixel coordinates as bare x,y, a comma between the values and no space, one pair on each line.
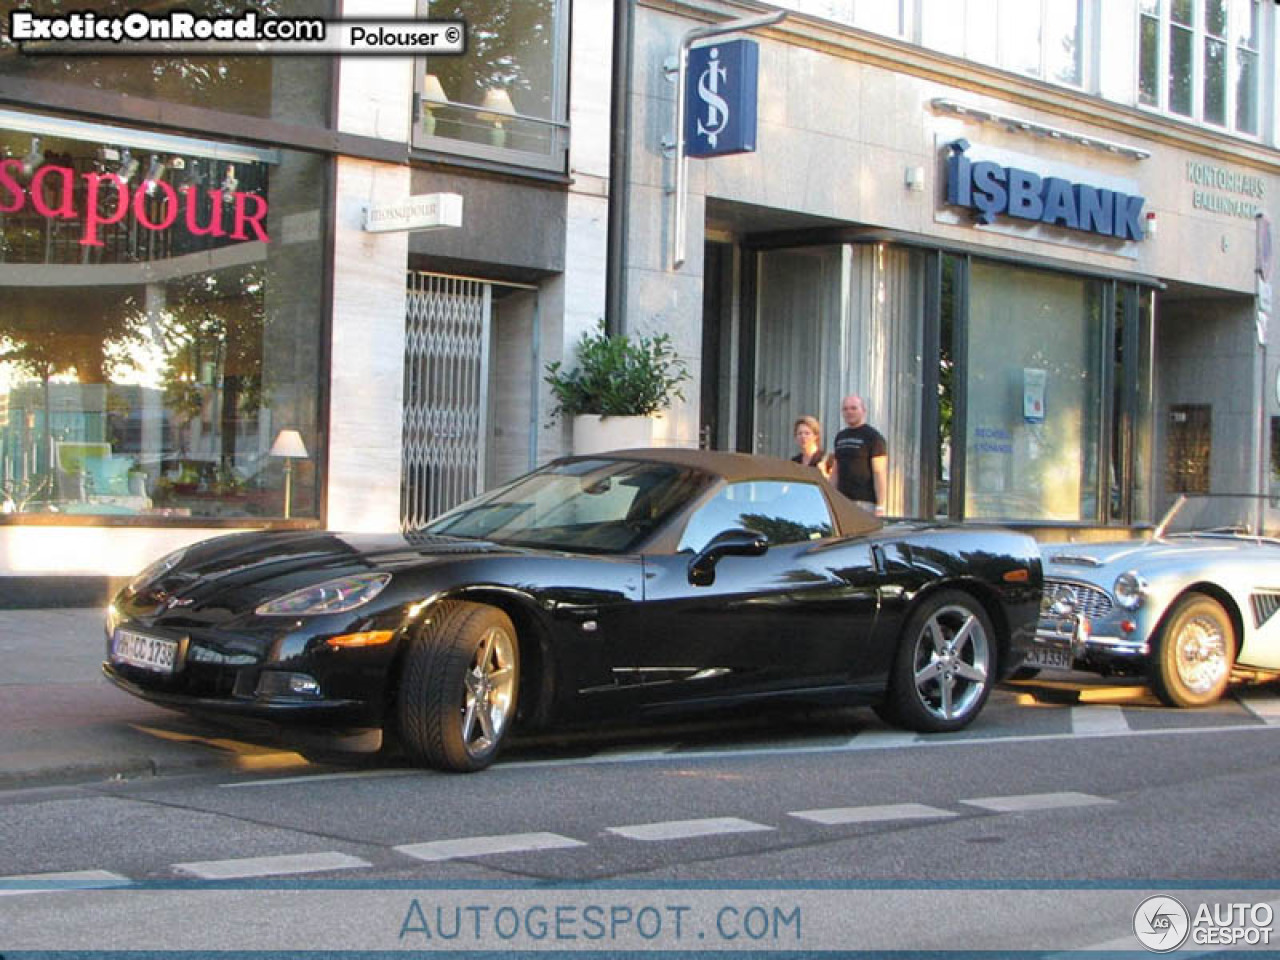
596,588
1186,608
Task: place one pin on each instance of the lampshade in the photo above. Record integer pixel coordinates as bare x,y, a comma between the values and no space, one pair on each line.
497,100
431,89
289,444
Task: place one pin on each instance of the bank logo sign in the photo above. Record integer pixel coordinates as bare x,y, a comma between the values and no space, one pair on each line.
994,190
720,99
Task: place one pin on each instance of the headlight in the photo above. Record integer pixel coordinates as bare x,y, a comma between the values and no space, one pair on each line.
332,596
156,570
1129,589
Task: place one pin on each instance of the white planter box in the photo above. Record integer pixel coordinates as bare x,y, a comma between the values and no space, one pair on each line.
596,434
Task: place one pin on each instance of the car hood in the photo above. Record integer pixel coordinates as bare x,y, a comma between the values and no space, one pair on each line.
242,569
1105,561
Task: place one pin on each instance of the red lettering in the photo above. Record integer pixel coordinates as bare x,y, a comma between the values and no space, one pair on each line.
92,216
170,206
215,215
66,209
9,170
255,218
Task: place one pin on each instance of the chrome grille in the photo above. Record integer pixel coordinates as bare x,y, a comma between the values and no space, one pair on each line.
1264,606
1093,602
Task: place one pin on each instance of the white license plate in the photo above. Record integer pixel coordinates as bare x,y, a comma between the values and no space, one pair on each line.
1047,657
140,650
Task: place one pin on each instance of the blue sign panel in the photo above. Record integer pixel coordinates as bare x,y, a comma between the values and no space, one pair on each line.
720,99
995,190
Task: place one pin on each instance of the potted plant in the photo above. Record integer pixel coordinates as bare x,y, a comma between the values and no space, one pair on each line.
617,387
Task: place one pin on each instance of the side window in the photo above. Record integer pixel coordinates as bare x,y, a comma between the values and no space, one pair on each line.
784,511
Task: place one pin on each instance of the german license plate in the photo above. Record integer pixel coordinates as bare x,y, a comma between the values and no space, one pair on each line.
1048,657
141,650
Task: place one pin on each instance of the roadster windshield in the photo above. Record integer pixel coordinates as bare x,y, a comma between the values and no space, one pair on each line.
591,506
1222,515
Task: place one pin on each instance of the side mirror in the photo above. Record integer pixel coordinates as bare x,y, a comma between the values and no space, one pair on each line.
727,543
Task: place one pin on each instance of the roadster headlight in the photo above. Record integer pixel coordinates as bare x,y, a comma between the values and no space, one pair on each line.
1129,589
156,570
332,596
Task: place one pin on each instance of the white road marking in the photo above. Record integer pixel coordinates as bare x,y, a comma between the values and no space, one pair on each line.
1037,801
687,829
465,847
270,866
882,740
318,777
834,816
1097,719
58,882
871,740
1266,709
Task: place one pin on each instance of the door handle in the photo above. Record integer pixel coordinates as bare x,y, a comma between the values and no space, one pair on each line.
878,560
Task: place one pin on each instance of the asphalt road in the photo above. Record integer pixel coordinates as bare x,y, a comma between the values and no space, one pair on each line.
1045,825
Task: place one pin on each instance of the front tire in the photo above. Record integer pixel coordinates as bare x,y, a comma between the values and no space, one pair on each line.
1191,664
943,669
457,696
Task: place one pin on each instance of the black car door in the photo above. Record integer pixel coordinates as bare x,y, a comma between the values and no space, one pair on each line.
788,619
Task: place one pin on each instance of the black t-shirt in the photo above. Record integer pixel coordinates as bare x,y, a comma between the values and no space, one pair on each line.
817,458
853,450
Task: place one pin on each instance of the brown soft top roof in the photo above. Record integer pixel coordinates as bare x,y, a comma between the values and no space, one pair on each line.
737,467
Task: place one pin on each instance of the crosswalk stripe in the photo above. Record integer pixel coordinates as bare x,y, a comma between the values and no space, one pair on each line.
464,847
1036,801
1097,719
270,866
55,882
687,829
1266,709
834,816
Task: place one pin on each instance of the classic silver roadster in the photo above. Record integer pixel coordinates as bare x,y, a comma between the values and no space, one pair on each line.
1188,608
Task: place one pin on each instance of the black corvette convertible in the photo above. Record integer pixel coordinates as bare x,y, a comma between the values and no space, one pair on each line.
595,588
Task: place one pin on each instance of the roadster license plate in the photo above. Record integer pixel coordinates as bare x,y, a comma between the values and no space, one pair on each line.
1048,657
141,650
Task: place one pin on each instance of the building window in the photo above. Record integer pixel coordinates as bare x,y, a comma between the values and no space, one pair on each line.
1037,38
162,326
1033,399
288,89
505,98
1200,59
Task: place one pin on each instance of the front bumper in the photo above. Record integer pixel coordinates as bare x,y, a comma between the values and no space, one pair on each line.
277,709
1075,641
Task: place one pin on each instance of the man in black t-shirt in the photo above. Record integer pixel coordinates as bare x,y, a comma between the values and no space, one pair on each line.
861,458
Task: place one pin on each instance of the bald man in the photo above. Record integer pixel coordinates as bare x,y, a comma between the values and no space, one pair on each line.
861,458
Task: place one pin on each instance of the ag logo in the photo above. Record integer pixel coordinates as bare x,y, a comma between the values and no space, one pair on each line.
1161,923
709,93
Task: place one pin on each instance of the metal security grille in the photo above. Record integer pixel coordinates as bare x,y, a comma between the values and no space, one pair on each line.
446,379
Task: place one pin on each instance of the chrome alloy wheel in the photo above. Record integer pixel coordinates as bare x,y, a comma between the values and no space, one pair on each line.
490,691
951,658
1200,654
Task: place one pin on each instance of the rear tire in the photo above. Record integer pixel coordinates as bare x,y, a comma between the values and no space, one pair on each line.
1191,664
944,667
457,696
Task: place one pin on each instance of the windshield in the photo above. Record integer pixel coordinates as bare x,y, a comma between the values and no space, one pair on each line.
590,506
1227,515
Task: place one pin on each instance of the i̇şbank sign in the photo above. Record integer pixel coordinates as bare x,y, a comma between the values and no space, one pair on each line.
108,199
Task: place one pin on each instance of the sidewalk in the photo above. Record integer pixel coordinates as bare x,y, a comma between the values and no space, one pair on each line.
62,722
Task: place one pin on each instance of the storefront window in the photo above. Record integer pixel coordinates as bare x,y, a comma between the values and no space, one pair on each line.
160,325
1033,404
505,97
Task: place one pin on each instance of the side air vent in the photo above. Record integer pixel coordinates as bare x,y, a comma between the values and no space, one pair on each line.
1264,607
